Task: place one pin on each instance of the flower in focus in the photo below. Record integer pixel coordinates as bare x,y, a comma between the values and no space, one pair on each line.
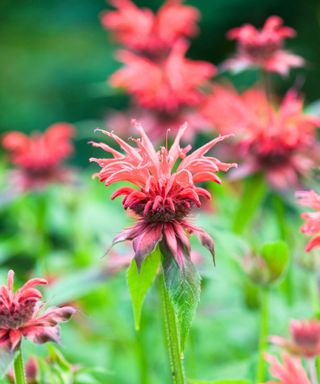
290,372
311,227
166,85
305,338
165,191
38,158
263,48
143,31
20,315
280,141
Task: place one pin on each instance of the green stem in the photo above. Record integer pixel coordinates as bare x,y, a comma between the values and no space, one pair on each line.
143,372
263,340
19,369
172,335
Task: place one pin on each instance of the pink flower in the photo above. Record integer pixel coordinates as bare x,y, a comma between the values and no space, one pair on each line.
290,372
142,30
165,192
157,123
311,227
280,141
164,85
305,338
263,48
20,315
38,158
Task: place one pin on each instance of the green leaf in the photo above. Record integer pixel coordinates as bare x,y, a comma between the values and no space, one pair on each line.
276,257
6,359
140,282
183,284
234,381
253,194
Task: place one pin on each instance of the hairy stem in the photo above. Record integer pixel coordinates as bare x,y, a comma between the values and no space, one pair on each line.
171,335
19,368
263,339
312,371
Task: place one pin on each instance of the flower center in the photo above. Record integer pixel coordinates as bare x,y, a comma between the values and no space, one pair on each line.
16,316
260,51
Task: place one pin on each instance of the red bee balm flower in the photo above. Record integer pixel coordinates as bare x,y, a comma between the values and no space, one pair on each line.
280,141
263,48
20,317
291,372
142,30
311,227
305,340
38,157
166,85
164,197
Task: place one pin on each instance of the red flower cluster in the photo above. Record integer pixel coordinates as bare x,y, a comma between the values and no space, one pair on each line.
156,73
142,30
20,315
311,227
38,158
263,48
280,141
165,194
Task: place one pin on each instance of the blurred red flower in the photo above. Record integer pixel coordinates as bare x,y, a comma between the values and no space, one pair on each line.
311,227
20,315
167,84
38,157
166,192
263,48
278,140
290,372
305,338
142,30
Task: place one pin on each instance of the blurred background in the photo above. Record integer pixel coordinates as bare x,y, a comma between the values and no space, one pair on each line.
55,57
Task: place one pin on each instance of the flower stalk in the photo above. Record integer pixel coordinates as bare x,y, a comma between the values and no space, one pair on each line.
263,339
19,373
171,334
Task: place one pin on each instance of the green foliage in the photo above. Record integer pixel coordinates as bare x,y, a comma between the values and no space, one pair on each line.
276,257
140,282
220,382
183,285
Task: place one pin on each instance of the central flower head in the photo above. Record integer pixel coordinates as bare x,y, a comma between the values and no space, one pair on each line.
165,190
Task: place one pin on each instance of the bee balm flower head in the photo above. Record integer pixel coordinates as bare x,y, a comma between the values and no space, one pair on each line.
277,140
311,227
305,338
146,32
165,192
38,158
263,48
20,315
167,85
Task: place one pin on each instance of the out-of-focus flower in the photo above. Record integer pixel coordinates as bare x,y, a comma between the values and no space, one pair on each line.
263,48
38,158
31,370
290,372
143,31
280,141
305,338
311,227
166,192
157,123
20,315
167,84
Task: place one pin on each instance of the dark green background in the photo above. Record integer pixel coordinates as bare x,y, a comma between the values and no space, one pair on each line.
55,56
